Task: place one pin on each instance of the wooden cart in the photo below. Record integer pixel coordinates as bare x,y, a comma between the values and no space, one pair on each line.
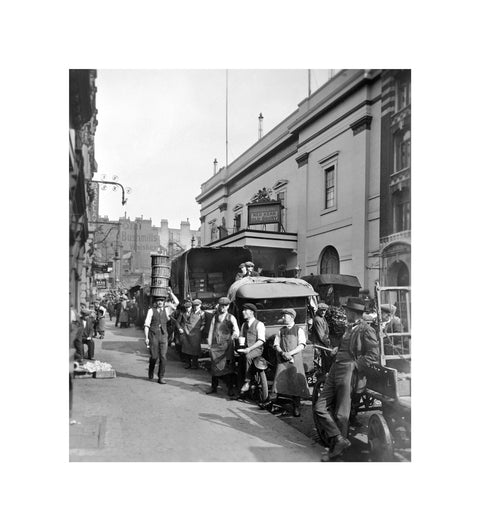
388,390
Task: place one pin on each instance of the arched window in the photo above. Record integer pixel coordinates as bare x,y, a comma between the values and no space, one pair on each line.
329,262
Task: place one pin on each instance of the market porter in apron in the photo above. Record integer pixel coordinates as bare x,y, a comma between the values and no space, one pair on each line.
290,377
221,350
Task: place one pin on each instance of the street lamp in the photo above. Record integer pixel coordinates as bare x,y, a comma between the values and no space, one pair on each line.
114,183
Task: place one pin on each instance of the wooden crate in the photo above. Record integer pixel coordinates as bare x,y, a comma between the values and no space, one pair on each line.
105,374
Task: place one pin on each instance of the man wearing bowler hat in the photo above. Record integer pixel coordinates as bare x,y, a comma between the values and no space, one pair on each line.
253,333
357,351
156,333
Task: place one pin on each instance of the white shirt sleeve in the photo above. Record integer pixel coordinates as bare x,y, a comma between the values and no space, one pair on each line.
261,331
236,331
276,341
148,318
210,332
301,336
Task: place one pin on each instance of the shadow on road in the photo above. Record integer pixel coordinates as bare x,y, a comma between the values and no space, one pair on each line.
253,425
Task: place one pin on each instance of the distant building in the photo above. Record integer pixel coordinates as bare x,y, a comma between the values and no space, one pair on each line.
129,243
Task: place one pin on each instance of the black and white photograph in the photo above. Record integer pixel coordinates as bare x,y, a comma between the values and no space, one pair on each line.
259,275
259,271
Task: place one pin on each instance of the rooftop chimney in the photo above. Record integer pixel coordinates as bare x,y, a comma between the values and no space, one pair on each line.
215,162
260,126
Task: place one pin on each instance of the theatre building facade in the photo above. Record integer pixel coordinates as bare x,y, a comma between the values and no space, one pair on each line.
305,198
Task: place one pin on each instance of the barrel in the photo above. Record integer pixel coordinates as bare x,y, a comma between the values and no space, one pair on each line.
161,271
158,292
159,282
159,259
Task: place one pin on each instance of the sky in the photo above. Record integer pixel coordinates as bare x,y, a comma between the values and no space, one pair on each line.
159,131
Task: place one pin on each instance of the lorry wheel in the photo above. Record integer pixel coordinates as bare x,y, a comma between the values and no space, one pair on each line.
379,438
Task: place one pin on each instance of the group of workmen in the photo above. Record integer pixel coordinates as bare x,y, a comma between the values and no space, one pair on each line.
237,352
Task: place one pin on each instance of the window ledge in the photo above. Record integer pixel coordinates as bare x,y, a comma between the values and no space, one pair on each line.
328,210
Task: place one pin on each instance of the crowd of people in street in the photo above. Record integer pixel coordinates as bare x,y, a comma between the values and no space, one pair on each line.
237,353
89,322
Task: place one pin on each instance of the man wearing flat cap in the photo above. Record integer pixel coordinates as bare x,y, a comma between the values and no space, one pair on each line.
190,327
253,332
85,336
357,351
156,333
321,336
290,379
242,271
223,331
250,271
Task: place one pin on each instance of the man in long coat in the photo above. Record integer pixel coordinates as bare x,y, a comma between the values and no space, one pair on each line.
223,331
290,379
357,351
190,327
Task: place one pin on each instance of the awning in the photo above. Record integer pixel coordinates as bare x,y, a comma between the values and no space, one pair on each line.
127,256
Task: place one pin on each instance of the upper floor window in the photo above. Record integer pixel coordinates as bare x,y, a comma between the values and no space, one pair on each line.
329,169
403,93
281,196
213,231
329,187
402,144
401,210
237,222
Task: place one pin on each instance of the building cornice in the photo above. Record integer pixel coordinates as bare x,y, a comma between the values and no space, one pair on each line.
362,124
302,159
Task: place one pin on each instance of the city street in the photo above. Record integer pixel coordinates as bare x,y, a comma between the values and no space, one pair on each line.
130,418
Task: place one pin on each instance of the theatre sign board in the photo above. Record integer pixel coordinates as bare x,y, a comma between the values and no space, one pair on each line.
264,213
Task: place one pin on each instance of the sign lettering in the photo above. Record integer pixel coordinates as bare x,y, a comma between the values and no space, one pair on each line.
264,213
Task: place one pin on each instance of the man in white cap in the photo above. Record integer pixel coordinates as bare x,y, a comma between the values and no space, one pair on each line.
357,351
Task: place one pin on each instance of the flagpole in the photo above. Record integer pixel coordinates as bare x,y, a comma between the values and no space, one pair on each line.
226,121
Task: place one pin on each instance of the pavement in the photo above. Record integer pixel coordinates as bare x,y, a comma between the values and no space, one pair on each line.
131,418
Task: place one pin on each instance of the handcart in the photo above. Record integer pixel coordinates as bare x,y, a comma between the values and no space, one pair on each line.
388,387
